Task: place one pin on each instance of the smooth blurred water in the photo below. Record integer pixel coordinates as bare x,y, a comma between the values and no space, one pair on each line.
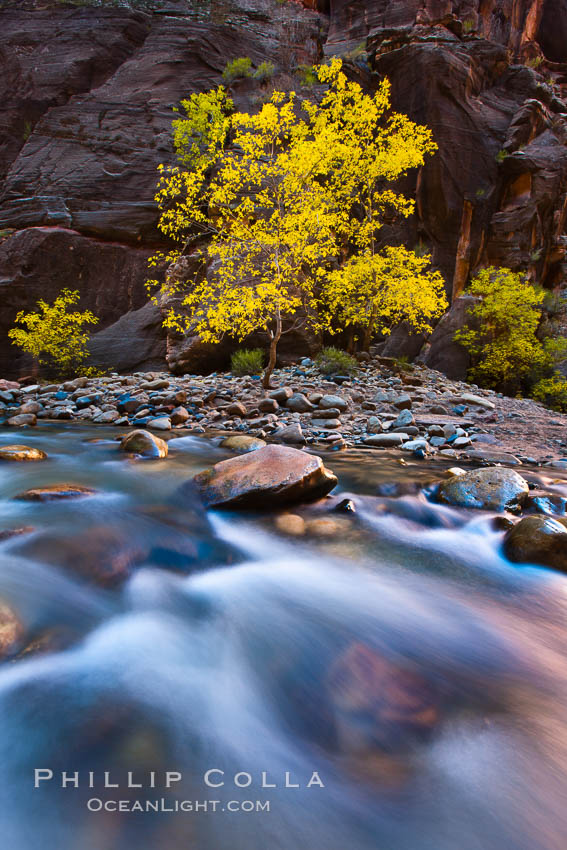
401,658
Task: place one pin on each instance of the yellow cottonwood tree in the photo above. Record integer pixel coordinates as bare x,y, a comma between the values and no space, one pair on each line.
54,335
267,240
369,146
284,208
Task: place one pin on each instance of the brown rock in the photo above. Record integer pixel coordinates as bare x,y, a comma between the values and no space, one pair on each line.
268,405
236,409
379,703
179,416
144,443
271,476
11,630
493,488
538,540
21,453
55,492
243,443
22,419
291,524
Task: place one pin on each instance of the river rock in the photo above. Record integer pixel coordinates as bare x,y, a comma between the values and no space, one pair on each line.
386,440
291,524
11,630
404,419
538,540
21,453
158,384
22,419
243,443
298,403
379,702
30,407
494,488
161,423
268,405
281,395
373,425
469,398
414,445
402,402
10,533
290,434
179,416
55,492
336,401
107,417
143,443
236,409
271,476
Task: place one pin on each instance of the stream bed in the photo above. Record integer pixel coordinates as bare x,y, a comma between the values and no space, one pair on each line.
383,680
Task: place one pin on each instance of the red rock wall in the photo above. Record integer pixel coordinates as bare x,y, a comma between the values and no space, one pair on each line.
86,98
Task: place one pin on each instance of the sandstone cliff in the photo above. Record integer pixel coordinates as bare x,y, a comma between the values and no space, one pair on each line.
86,99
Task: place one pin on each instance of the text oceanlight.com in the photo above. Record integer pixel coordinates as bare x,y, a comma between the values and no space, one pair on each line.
170,781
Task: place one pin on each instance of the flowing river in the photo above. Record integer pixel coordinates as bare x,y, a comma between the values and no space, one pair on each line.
386,681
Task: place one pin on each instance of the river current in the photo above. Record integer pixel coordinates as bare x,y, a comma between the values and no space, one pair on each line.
387,681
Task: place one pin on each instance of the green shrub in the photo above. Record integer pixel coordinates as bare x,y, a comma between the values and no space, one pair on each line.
501,156
357,52
247,361
238,69
333,361
535,62
552,392
307,75
264,72
55,336
505,349
469,26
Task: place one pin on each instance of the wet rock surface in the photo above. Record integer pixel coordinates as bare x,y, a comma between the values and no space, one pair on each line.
21,453
538,540
143,443
55,493
266,478
489,489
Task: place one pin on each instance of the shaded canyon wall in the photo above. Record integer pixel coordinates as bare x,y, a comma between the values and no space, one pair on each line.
86,101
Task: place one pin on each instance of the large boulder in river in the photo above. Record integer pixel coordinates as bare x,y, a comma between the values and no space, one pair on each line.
141,442
538,540
493,488
268,477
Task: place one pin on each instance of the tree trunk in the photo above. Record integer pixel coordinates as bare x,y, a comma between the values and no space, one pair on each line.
275,338
369,330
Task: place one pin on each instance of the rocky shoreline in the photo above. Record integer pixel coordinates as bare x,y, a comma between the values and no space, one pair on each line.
389,405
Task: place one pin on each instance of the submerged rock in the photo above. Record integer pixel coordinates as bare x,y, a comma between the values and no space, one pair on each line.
242,443
290,524
493,488
143,443
538,540
274,475
11,630
55,492
10,533
20,453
